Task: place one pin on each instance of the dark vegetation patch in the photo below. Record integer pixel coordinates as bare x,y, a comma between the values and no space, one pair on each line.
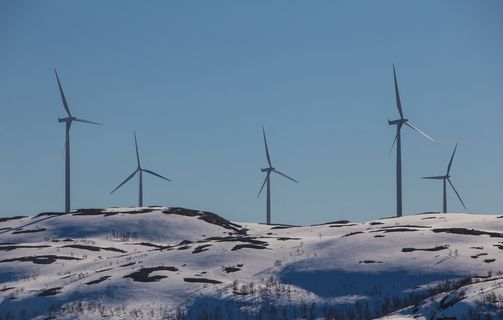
5,229
184,242
342,225
45,259
90,212
438,248
98,280
500,217
379,236
450,300
93,248
138,211
374,223
142,275
352,233
201,280
183,248
208,217
405,226
472,232
238,239
153,245
65,240
50,292
28,231
128,264
282,227
7,289
247,245
478,255
394,229
369,261
97,212
202,248
12,218
478,248
43,214
14,247
427,218
332,222
287,238
231,269
341,221
398,230
499,246
489,260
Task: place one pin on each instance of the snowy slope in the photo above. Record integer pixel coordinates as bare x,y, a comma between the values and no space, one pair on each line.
162,263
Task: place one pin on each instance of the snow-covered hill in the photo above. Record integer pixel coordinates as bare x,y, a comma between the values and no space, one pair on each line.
175,263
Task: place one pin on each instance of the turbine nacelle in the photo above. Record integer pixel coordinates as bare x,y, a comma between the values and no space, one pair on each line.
267,169
397,122
66,119
437,177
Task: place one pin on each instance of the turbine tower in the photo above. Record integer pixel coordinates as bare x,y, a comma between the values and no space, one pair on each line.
68,121
267,180
139,169
445,178
399,124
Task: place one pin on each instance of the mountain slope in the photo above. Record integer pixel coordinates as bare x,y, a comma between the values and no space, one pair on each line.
157,262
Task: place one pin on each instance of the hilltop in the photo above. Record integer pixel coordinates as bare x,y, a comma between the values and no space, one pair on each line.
176,263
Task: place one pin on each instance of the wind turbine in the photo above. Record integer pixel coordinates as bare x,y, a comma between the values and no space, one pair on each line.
445,178
267,180
68,121
399,124
139,169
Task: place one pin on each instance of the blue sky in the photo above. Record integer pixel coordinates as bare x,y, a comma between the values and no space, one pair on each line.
198,79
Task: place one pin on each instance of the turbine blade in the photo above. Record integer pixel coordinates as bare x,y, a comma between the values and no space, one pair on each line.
459,197
65,104
266,149
421,132
87,121
136,146
155,174
263,184
397,94
452,157
123,182
435,177
284,175
394,141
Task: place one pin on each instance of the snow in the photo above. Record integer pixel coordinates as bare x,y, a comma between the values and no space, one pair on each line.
79,265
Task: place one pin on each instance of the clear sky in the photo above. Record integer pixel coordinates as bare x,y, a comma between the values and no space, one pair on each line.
198,79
